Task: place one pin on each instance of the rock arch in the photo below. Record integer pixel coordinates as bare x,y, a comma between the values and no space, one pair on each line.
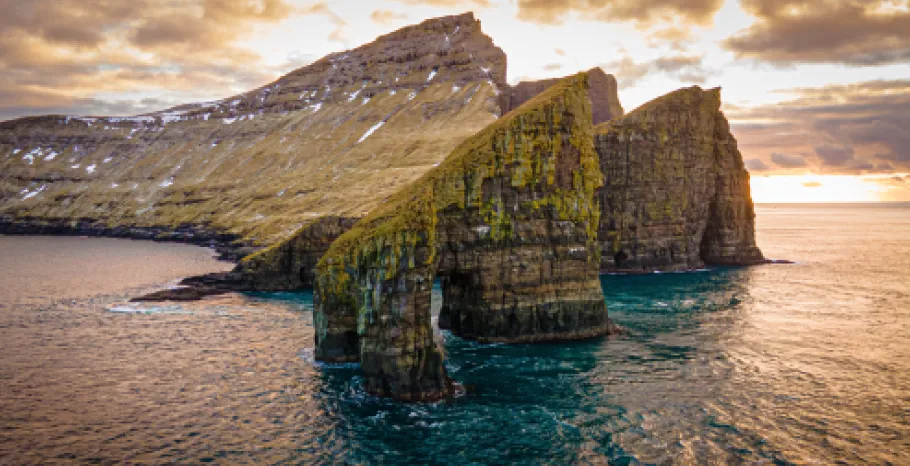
509,221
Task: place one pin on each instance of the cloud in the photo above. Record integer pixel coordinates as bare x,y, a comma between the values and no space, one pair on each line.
812,184
856,32
552,67
386,16
338,34
871,119
449,3
686,68
642,11
756,165
560,52
788,161
71,56
833,155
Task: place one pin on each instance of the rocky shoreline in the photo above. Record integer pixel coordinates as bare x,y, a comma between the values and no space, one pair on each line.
225,245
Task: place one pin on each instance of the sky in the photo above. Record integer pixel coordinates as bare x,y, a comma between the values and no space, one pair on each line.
817,91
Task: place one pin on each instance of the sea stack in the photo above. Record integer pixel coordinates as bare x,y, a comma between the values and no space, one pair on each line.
676,193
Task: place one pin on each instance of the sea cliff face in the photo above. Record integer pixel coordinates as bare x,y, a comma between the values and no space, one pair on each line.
676,193
509,223
334,138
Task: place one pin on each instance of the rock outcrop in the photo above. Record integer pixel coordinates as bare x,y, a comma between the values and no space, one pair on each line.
508,221
603,93
676,193
291,264
334,138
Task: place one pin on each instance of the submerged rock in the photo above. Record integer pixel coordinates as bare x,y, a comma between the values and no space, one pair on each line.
508,221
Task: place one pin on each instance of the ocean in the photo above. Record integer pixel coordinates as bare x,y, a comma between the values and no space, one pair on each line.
804,363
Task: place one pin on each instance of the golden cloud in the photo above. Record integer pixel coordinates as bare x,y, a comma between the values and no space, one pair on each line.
644,11
57,55
856,32
857,128
386,16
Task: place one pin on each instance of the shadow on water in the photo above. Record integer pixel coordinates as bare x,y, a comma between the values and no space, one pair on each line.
630,400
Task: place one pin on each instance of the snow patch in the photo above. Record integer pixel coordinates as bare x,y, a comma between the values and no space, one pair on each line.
75,167
114,185
31,155
228,121
90,168
107,159
432,75
370,131
354,95
166,182
30,194
365,100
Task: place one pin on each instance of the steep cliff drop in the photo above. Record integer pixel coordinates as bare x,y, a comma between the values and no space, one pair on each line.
676,193
332,139
290,263
509,223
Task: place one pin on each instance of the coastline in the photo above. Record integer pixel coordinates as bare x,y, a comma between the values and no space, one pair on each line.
228,246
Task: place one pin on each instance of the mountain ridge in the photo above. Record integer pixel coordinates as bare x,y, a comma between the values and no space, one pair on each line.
333,137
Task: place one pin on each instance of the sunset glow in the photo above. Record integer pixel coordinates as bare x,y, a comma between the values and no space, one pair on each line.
815,92
828,188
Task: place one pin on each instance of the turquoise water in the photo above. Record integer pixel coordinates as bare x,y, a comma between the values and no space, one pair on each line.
777,364
773,364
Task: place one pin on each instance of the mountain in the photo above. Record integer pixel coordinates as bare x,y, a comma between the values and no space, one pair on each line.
291,263
330,140
278,173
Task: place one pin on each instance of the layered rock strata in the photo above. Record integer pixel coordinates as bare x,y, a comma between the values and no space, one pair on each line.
676,193
508,220
334,138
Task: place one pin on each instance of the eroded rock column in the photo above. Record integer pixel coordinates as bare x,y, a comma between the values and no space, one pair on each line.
509,220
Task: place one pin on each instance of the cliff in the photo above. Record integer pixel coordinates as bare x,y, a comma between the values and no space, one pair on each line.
676,193
289,263
508,221
334,138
